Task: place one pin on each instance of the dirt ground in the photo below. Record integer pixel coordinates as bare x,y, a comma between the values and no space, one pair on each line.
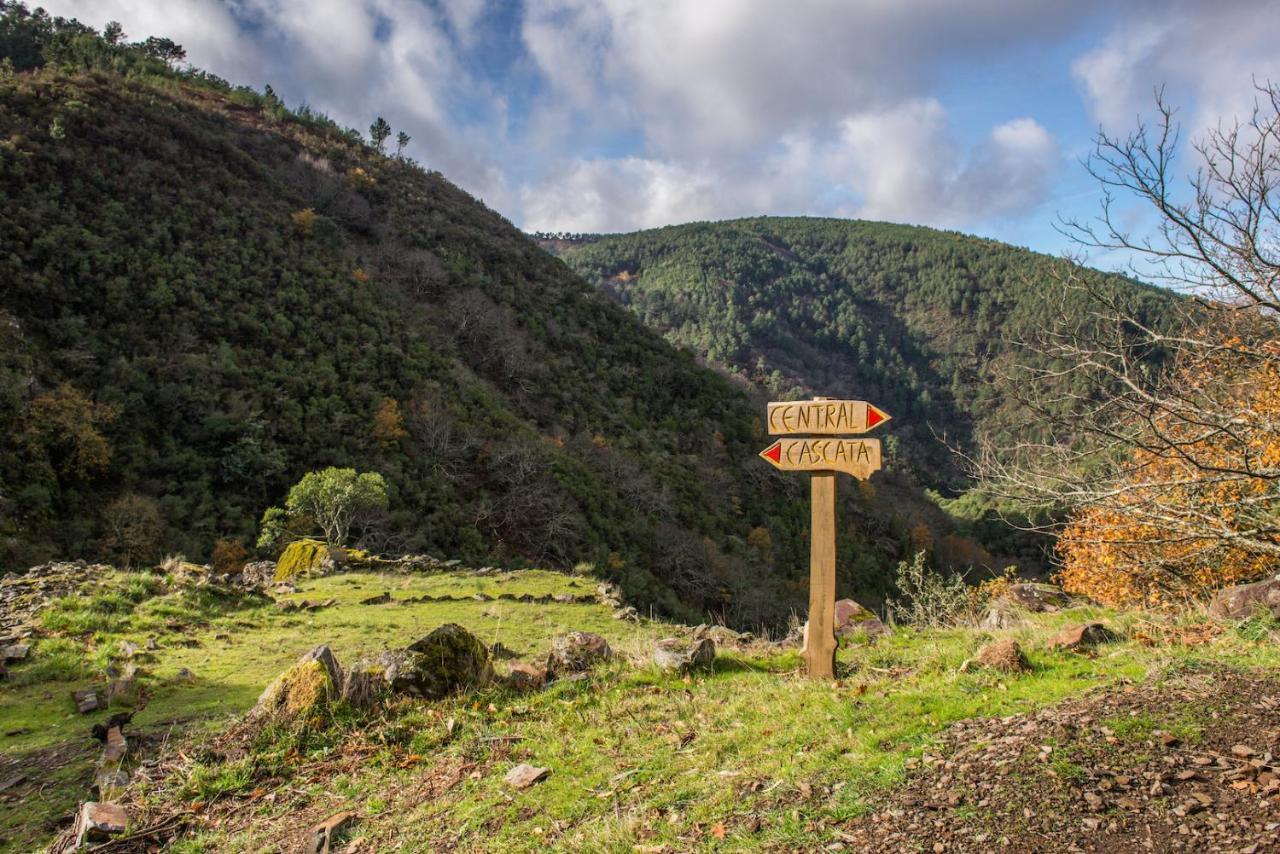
1188,763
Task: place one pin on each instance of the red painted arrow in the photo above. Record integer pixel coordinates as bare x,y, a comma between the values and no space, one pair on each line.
773,452
874,416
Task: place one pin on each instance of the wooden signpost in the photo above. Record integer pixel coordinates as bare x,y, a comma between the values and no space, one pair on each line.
824,457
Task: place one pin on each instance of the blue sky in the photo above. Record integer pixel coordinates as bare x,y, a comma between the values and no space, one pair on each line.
611,115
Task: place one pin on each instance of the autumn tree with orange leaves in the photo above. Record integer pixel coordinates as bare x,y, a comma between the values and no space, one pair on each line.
1155,447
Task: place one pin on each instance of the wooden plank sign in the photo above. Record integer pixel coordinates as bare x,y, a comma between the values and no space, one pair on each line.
823,456
857,457
824,417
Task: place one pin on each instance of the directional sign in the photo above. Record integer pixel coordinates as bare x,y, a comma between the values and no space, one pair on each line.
824,417
857,457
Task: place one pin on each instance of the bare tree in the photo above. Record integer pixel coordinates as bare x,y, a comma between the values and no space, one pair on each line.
1155,413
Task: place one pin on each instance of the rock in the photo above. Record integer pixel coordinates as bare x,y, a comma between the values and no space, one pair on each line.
524,775
300,557
321,837
609,594
98,821
627,613
498,651
125,649
184,675
721,635
15,652
852,619
382,598
124,690
1003,613
302,690
258,573
1244,600
365,683
1003,655
117,745
676,654
576,652
449,659
522,677
1037,597
86,701
1082,637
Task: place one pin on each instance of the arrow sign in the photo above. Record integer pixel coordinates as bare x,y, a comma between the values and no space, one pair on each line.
857,457
824,417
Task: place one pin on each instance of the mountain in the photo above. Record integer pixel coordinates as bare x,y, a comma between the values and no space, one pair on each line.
924,323
207,295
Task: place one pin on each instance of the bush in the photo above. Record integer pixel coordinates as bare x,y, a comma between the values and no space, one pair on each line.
229,556
930,599
132,529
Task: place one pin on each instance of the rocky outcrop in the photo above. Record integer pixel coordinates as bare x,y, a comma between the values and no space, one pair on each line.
1082,637
1245,600
449,659
303,690
577,652
853,619
679,655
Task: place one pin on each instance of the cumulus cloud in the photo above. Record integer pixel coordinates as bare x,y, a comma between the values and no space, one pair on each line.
1207,55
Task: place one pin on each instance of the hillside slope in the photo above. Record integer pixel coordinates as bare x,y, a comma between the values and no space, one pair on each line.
206,295
922,322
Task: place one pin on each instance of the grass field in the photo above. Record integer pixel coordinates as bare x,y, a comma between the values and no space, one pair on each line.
749,754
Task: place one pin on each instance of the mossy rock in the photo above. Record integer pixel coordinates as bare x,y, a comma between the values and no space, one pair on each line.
449,659
303,691
299,557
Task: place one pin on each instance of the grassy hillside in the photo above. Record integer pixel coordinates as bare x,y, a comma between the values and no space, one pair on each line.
207,295
746,755
922,322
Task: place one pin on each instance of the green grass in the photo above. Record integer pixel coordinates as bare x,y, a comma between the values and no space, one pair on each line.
637,757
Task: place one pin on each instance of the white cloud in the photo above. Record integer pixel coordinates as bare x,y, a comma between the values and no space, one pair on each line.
1207,55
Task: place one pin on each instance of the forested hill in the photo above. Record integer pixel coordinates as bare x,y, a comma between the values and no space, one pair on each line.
206,295
922,322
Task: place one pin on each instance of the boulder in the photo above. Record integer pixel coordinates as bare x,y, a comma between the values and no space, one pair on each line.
365,683
304,689
15,652
627,613
300,557
577,652
448,660
1003,655
1081,637
852,618
1244,600
522,677
1036,597
677,654
86,701
258,573
721,635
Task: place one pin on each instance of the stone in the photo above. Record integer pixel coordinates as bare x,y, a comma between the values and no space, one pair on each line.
321,837
257,573
1244,600
522,677
365,683
853,619
382,598
1082,637
300,557
307,687
1037,597
499,651
577,652
86,701
15,652
98,821
126,649
676,654
184,675
1003,655
524,775
721,635
117,745
449,659
627,613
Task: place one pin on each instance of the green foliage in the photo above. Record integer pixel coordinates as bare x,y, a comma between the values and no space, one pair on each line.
925,323
238,351
334,498
926,598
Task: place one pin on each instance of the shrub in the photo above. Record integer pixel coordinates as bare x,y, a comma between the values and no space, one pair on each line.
229,556
132,529
930,599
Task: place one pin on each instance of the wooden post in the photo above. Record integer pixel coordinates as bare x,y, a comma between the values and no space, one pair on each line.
820,642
